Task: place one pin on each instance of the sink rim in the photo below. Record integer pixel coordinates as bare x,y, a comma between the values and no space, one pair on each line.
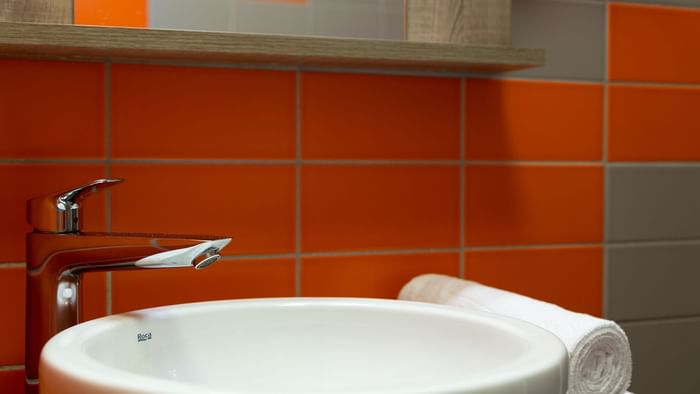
546,351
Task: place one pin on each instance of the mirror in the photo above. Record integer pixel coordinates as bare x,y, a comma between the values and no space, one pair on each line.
479,22
378,19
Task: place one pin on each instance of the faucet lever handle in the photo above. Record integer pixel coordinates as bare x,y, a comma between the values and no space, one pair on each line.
60,212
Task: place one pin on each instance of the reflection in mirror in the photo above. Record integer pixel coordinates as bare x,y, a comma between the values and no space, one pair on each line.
378,19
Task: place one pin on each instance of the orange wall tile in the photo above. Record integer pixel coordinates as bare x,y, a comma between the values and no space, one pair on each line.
358,116
513,205
12,381
254,204
24,181
569,277
93,293
526,120
12,293
223,280
659,44
379,207
202,113
654,124
45,107
130,13
370,276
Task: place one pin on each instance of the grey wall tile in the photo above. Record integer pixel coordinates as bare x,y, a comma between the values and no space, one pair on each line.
573,34
665,356
653,203
649,281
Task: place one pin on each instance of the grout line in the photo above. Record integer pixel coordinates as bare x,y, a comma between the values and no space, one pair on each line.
51,161
108,169
650,164
297,186
533,246
533,163
13,265
650,243
108,281
349,253
665,319
606,166
462,172
380,252
340,162
108,139
661,85
259,257
14,367
108,114
643,164
361,162
626,164
207,161
606,280
382,162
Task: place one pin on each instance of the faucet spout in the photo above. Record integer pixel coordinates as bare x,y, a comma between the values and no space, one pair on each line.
56,262
58,253
200,256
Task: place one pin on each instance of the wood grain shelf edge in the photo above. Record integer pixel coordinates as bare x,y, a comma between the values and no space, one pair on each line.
70,42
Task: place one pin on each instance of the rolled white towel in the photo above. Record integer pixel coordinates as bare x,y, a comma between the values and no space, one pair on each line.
600,360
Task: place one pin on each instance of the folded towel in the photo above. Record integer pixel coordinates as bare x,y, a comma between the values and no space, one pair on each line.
600,360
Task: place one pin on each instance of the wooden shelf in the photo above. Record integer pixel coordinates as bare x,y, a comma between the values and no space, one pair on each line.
70,42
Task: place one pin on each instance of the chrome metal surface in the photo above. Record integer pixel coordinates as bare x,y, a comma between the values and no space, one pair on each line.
207,262
58,254
60,212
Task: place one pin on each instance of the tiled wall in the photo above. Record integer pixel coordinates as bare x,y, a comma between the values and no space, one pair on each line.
653,193
644,59
575,183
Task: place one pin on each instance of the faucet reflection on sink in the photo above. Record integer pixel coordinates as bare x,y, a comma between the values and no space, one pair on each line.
58,252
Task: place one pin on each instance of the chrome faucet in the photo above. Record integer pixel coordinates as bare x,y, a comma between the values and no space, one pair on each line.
58,252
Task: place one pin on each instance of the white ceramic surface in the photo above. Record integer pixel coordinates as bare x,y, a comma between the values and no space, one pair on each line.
304,345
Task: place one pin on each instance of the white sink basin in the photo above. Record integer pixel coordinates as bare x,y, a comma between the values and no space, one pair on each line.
304,345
